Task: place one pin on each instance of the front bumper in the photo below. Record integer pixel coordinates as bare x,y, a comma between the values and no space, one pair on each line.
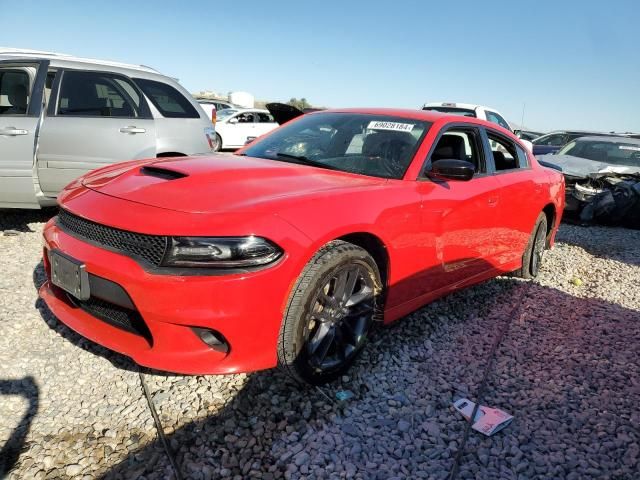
246,308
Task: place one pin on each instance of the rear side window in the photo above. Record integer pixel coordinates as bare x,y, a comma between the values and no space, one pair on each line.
169,101
14,92
505,154
97,94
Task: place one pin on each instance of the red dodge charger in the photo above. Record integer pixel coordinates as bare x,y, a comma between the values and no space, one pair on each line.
290,251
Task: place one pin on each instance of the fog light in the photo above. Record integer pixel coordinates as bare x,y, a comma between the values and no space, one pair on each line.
213,339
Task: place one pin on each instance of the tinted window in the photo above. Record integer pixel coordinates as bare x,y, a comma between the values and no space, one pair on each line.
505,155
96,94
375,145
169,101
265,118
459,144
551,139
495,118
465,112
14,92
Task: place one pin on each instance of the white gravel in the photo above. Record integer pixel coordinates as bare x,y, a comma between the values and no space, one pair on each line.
567,370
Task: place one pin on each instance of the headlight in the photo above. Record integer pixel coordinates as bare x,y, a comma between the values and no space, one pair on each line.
221,252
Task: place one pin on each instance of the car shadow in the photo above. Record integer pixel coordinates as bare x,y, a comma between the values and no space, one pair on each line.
251,434
271,426
17,220
10,451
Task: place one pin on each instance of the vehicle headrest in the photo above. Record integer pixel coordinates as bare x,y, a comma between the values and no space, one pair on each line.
449,146
379,143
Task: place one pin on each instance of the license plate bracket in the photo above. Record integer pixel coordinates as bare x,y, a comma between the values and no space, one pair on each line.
70,275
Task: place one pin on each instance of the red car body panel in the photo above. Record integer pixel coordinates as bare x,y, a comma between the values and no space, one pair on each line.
438,236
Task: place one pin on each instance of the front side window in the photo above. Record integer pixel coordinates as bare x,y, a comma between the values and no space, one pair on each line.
505,155
14,92
374,145
265,118
459,144
168,100
245,117
96,94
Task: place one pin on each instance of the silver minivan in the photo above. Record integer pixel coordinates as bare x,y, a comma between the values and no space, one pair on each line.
61,116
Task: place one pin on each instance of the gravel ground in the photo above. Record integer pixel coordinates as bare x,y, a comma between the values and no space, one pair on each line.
567,369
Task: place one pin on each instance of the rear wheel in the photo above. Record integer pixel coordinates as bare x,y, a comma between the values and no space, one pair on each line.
217,143
330,313
534,253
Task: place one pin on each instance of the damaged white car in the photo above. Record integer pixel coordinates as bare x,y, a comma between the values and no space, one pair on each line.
602,177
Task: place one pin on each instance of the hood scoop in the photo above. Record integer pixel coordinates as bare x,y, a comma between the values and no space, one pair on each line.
164,173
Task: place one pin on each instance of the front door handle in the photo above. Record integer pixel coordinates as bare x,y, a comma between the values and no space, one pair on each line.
132,129
13,131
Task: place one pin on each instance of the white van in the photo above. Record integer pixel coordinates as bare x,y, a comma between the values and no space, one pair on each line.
61,116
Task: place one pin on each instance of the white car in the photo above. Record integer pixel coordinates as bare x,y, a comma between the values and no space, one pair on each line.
212,107
61,116
471,110
236,127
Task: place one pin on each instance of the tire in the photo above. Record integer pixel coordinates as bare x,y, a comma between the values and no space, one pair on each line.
217,146
534,253
332,308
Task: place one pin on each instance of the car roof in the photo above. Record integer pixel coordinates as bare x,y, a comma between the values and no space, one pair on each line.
426,115
63,59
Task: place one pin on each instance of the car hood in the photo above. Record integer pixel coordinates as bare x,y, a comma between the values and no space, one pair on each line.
217,183
583,167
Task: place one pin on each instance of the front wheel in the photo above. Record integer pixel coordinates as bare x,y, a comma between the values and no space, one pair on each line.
330,313
534,253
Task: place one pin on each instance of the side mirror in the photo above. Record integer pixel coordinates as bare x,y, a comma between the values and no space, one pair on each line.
451,169
233,120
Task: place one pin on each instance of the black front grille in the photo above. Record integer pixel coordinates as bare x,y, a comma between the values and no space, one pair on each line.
119,317
150,248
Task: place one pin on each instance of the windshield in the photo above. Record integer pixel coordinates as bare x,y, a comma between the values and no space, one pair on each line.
375,145
465,112
614,153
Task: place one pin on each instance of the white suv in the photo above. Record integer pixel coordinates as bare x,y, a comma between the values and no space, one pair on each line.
61,116
476,111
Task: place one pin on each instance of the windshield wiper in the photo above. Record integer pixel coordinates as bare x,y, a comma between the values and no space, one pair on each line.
305,160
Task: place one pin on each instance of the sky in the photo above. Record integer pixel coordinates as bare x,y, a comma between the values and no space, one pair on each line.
567,64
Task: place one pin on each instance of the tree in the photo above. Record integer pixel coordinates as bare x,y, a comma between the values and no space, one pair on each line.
300,104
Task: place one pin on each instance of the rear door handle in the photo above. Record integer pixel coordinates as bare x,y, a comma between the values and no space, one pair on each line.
493,201
132,129
13,131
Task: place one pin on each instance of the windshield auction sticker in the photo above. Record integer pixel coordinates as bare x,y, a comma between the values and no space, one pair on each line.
395,126
629,147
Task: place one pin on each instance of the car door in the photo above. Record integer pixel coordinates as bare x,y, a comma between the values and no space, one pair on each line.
94,118
521,195
21,87
462,213
241,127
